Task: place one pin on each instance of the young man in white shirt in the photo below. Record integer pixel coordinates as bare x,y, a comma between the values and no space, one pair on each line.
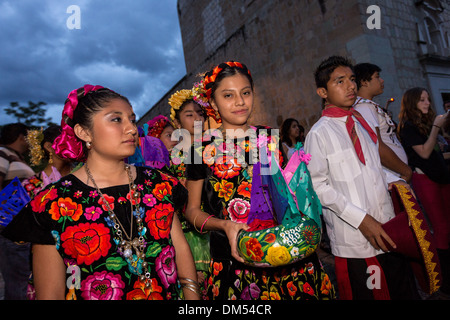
393,156
350,182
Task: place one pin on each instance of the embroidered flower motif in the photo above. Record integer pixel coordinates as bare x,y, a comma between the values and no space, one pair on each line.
134,200
110,201
292,289
102,286
159,220
326,286
227,168
66,183
245,189
78,194
86,242
65,208
141,292
165,266
251,292
40,201
225,189
149,200
162,190
238,210
93,213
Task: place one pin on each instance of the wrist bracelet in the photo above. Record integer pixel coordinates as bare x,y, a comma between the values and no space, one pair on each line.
437,126
204,222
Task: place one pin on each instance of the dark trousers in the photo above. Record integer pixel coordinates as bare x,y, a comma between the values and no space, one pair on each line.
354,278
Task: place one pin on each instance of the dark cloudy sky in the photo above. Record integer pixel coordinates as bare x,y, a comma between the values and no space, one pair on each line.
133,47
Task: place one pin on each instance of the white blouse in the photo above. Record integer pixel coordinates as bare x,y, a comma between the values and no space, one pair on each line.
347,189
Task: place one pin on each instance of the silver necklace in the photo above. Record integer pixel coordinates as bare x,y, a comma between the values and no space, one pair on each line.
132,249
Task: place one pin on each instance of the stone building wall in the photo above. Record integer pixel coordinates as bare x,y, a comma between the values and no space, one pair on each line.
283,41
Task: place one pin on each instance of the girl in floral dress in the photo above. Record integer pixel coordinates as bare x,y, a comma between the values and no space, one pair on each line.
223,184
188,116
108,231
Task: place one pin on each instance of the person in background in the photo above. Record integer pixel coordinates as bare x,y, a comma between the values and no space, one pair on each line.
393,156
418,129
291,134
161,128
14,256
41,151
188,116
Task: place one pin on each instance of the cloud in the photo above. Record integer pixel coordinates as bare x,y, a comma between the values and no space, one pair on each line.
133,47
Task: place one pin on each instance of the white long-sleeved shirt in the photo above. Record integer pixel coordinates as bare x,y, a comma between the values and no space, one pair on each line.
347,189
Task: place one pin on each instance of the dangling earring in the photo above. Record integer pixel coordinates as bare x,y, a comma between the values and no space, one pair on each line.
50,158
88,145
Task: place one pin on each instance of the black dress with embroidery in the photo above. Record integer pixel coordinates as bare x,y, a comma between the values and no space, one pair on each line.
226,195
73,217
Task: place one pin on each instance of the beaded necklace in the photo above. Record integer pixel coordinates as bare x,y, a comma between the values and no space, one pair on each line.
136,260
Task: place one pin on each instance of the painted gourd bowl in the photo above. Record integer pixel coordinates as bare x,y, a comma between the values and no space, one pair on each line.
280,245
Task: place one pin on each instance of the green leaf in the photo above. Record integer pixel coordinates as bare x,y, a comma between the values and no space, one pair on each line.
115,263
153,250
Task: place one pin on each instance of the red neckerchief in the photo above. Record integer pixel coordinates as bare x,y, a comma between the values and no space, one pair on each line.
336,112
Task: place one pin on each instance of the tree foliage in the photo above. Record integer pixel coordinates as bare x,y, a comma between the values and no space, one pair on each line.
32,115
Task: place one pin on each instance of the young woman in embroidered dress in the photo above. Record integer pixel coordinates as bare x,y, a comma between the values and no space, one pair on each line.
223,187
108,231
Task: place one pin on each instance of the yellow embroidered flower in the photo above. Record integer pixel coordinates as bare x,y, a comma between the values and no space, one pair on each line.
225,189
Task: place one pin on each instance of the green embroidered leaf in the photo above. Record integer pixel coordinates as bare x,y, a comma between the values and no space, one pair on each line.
153,250
115,263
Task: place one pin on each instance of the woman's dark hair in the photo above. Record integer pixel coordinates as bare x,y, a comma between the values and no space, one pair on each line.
185,103
228,71
50,134
410,112
364,72
323,73
90,104
11,132
285,127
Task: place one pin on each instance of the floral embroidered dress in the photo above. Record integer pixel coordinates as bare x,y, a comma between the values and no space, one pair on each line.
226,195
72,216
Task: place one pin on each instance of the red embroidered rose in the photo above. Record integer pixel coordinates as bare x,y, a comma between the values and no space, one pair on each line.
65,208
86,242
41,199
159,220
162,190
